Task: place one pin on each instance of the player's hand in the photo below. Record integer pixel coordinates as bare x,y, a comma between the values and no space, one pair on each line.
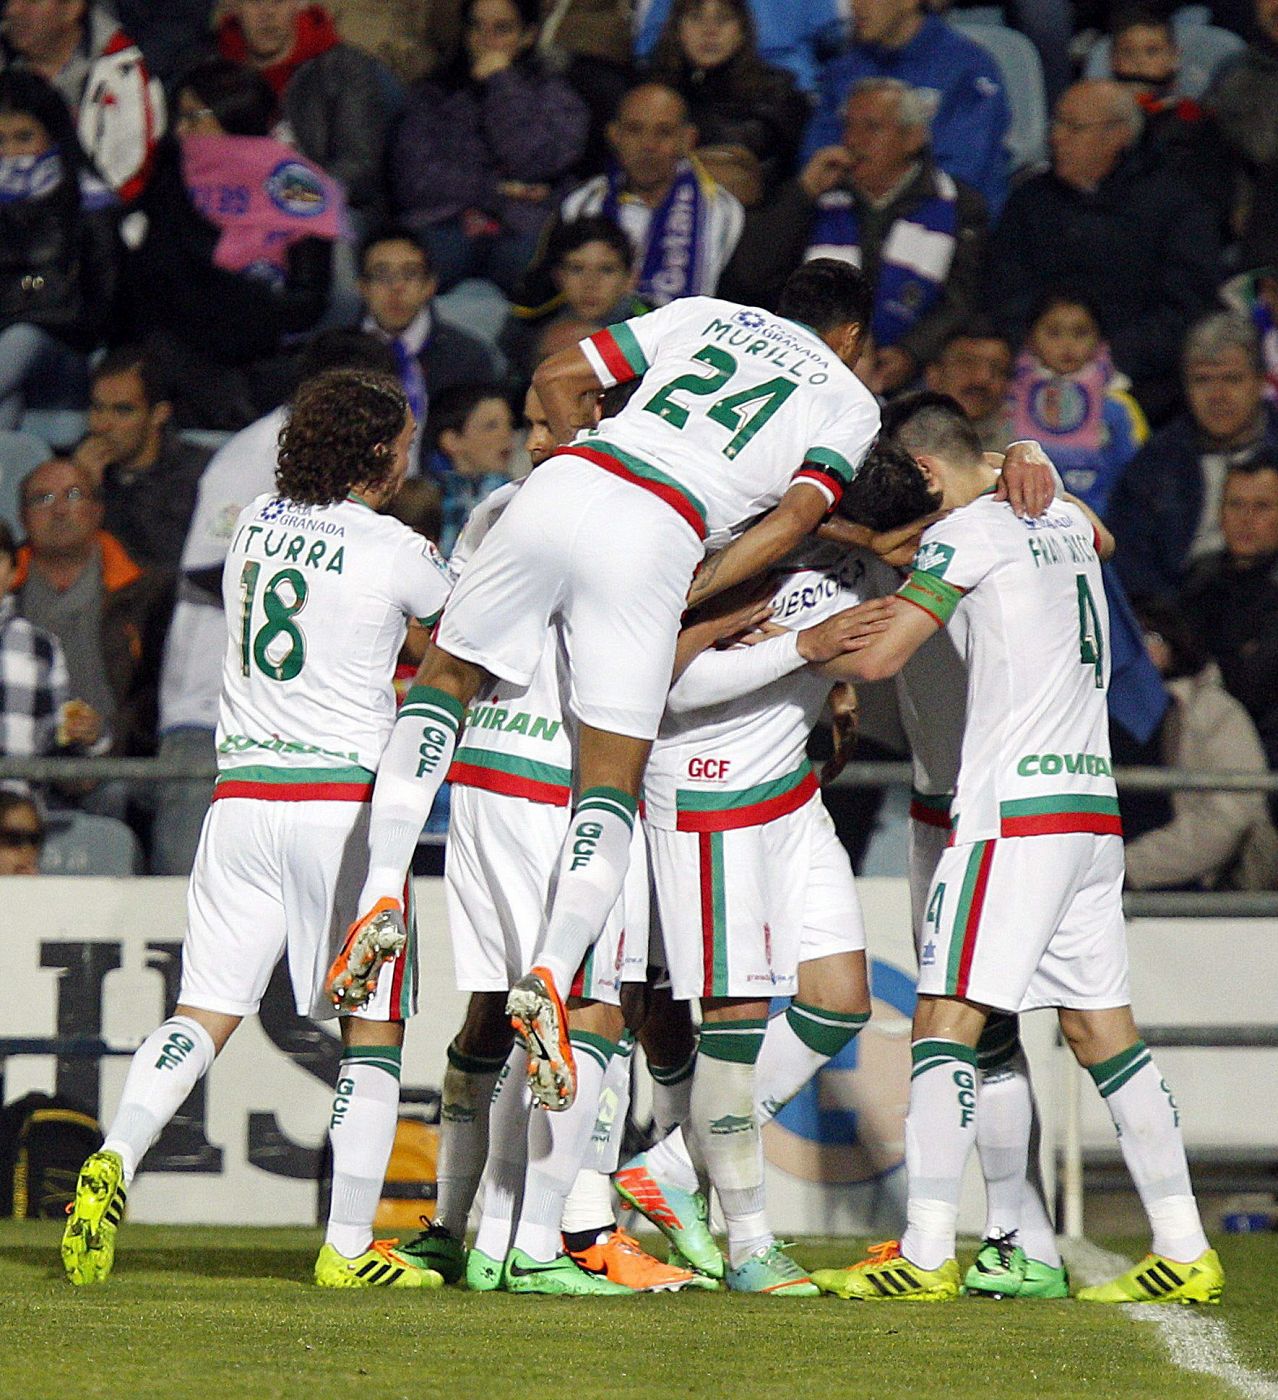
764,632
1027,483
898,547
845,724
853,629
825,170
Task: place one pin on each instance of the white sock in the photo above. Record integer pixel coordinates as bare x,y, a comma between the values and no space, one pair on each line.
465,1104
614,1109
166,1067
589,1206
1148,1124
797,1043
557,1147
503,1180
362,1133
670,1160
939,1131
671,1094
411,771
727,1132
592,867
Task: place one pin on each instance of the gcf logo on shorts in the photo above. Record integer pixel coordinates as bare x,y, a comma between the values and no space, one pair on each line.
176,1048
584,840
296,189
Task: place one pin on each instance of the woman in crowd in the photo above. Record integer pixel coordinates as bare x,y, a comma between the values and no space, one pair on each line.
58,249
708,52
234,253
485,147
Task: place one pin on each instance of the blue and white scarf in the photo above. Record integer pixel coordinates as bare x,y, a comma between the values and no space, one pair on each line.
670,265
34,177
914,262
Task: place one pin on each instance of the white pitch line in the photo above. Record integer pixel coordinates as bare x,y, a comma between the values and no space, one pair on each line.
1194,1340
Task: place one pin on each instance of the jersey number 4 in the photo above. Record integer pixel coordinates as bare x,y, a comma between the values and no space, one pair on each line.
742,413
277,648
1091,638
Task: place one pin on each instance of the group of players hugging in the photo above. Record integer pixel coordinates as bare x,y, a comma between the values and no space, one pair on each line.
630,649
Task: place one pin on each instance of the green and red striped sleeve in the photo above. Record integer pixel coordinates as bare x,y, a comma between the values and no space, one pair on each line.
934,595
615,354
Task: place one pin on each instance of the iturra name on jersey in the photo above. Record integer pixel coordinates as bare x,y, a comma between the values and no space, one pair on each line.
1026,604
317,601
743,761
734,385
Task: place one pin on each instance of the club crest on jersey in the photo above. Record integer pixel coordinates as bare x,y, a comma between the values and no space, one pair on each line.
752,319
934,558
272,510
296,189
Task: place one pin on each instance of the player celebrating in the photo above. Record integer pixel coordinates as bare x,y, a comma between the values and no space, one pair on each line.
748,412
319,587
1025,908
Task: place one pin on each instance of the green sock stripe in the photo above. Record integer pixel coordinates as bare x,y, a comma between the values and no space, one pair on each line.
435,699
626,1044
603,800
670,1075
384,1057
474,1064
825,1032
738,1042
617,795
933,1054
1110,1075
999,1042
598,1047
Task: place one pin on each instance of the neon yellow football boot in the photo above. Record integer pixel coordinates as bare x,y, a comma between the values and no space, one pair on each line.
1160,1280
886,1273
88,1242
380,1266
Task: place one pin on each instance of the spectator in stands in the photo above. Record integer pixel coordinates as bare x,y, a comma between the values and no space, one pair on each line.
1067,395
237,249
1115,227
585,276
1166,506
896,39
799,37
33,676
398,284
683,223
878,200
98,71
21,834
473,434
1214,839
1231,596
975,368
485,148
58,249
708,52
148,476
110,614
1244,100
191,678
334,97
399,33
1145,58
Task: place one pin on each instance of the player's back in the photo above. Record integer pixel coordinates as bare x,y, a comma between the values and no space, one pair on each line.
1031,628
317,599
736,401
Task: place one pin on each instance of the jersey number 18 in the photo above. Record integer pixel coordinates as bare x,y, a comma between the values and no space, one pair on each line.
278,648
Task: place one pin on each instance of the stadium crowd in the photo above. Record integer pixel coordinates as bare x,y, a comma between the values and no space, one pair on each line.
1071,227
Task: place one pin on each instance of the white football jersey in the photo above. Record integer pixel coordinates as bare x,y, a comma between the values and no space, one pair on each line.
515,740
737,404
1026,606
317,600
743,761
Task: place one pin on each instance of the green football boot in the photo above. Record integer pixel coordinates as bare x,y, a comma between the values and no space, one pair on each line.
1159,1280
771,1270
380,1266
999,1270
88,1242
887,1274
561,1277
1044,1280
484,1274
434,1248
681,1216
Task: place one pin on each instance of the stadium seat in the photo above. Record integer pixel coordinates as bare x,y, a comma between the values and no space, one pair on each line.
81,844
19,454
61,428
1203,48
1022,73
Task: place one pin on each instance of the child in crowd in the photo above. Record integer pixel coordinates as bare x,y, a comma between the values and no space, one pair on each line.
1067,394
473,434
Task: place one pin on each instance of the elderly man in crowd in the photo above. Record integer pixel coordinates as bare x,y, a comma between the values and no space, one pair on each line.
975,369
1111,224
1166,505
879,200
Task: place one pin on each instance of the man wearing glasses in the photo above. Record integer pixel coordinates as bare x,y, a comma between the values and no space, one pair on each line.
21,835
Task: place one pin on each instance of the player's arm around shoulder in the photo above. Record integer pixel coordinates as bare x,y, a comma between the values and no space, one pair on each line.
1105,543
879,637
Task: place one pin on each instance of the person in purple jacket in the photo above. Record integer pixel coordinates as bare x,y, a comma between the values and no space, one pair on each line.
896,39
485,147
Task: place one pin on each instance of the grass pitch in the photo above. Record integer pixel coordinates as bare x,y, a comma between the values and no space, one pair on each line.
229,1313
